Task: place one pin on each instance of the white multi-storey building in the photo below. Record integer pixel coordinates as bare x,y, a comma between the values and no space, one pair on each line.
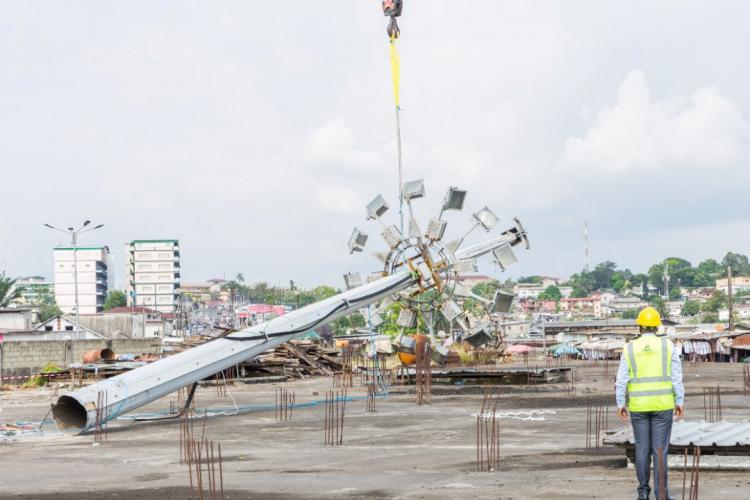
94,270
153,273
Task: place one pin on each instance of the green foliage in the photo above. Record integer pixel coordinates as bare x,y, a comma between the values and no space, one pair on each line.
630,314
690,308
8,290
739,263
49,311
578,292
530,279
39,380
710,318
681,273
707,272
551,293
115,298
486,289
718,300
658,303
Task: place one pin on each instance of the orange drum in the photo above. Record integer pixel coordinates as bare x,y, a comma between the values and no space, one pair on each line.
407,358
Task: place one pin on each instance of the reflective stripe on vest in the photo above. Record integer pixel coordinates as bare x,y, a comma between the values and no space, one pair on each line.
650,385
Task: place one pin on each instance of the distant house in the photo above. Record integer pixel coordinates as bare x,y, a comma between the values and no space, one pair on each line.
515,329
582,304
528,290
536,305
15,318
57,328
738,283
619,305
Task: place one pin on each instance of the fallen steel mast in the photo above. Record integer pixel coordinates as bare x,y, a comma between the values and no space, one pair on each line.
138,387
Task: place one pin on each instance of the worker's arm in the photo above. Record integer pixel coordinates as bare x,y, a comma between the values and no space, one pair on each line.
677,385
621,387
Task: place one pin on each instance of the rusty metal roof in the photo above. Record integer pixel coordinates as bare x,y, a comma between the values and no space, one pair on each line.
702,434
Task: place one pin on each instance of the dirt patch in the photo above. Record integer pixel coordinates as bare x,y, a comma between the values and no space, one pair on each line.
181,493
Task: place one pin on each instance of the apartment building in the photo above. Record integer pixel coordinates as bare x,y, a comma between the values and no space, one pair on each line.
153,273
93,267
34,289
738,283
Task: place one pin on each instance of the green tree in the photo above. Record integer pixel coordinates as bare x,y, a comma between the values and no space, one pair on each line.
8,290
658,303
690,308
578,292
115,298
718,300
551,293
630,314
707,273
602,274
710,318
530,279
619,281
49,311
486,289
739,263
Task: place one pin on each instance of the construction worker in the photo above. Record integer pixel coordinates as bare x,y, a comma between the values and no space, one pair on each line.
649,391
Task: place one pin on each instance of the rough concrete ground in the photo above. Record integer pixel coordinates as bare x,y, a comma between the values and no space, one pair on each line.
401,451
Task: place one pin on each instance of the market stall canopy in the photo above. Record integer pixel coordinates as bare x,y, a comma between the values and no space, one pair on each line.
519,349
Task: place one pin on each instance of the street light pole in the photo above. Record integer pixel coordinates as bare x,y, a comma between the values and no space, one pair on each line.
73,233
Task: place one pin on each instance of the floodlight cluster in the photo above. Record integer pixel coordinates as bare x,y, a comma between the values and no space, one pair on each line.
436,264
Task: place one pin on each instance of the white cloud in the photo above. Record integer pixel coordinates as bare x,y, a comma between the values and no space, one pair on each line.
340,200
332,145
640,132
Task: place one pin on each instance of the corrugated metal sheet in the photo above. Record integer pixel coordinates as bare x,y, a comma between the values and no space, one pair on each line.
702,434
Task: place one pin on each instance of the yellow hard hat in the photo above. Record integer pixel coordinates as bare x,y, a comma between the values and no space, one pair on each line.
648,317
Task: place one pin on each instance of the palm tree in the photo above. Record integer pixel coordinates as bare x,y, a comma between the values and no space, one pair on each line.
240,278
8,290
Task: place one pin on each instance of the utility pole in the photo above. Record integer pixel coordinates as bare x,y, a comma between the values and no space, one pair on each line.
666,280
73,233
730,299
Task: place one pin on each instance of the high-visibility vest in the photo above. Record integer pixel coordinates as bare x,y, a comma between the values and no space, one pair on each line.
650,362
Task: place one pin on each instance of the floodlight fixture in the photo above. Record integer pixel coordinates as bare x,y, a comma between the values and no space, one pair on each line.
504,256
502,302
392,236
357,241
454,199
485,218
385,303
452,246
352,280
414,231
451,310
376,320
519,232
479,336
377,207
436,229
406,343
439,354
466,266
407,318
413,190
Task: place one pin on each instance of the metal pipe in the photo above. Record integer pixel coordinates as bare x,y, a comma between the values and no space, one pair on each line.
140,386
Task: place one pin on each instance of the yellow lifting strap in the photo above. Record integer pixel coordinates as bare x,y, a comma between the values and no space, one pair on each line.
395,70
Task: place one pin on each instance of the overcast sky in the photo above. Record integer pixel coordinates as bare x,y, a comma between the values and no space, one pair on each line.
257,135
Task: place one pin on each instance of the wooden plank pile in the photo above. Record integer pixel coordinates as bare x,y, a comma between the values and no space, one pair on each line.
296,359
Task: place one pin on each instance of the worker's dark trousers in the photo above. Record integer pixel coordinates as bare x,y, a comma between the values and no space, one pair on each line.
652,431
